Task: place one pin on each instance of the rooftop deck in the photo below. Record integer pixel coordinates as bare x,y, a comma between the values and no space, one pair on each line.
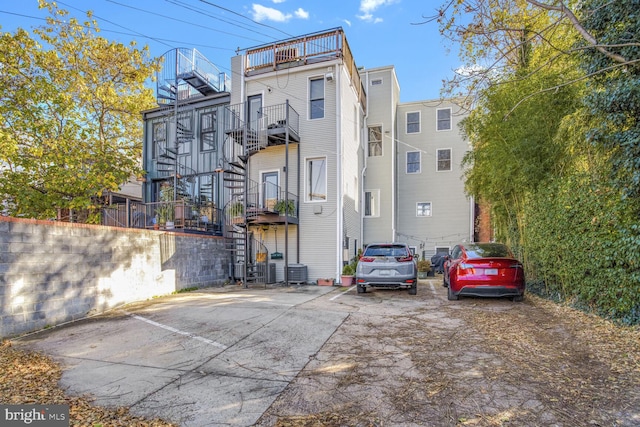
312,48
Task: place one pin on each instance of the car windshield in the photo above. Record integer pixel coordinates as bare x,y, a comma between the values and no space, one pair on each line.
386,250
487,251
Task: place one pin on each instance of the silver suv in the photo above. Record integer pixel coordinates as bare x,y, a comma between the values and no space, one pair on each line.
387,265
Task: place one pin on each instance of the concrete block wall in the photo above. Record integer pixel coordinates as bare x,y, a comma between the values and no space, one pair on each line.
52,272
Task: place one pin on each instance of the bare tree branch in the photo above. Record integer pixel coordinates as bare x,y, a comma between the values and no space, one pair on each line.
564,10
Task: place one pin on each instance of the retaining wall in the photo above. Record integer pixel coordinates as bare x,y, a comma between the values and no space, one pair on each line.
52,272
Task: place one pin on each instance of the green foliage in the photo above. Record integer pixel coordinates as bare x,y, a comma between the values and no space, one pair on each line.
614,97
424,265
582,244
348,270
283,206
556,144
70,116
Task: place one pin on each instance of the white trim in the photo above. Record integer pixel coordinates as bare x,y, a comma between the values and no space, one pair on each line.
450,120
406,122
306,176
450,160
324,96
406,163
375,207
430,210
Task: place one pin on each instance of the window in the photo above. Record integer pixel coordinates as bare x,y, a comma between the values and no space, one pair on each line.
372,203
423,209
444,119
159,138
413,162
413,122
316,183
376,82
444,159
375,141
316,98
208,131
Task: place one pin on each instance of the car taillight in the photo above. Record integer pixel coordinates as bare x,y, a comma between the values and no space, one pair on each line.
464,268
404,258
366,259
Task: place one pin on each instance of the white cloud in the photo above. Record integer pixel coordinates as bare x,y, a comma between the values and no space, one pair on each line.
262,13
346,21
278,1
369,18
301,13
367,7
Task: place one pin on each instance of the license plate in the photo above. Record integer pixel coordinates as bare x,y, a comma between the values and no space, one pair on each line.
385,272
491,271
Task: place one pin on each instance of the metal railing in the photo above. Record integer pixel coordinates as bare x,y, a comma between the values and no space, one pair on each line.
179,215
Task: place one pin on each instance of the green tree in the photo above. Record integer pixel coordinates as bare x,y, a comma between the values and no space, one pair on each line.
70,122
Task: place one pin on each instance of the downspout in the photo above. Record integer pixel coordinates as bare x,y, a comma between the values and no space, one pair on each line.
394,181
365,156
340,195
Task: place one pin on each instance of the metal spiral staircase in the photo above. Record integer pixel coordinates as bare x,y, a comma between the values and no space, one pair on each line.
242,139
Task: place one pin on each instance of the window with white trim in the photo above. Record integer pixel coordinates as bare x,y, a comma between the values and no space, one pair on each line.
444,119
372,203
423,209
413,162
316,181
375,141
413,122
316,98
444,159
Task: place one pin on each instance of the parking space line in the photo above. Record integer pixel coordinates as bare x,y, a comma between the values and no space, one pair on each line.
341,293
177,331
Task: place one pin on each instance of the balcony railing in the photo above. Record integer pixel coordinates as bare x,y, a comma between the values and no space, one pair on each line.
308,49
181,216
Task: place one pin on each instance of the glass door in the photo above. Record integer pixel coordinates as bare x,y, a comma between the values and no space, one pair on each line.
270,189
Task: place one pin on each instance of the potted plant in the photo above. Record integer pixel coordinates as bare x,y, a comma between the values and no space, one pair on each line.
285,207
424,266
325,282
348,271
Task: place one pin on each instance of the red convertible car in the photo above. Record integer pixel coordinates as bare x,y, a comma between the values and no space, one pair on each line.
483,269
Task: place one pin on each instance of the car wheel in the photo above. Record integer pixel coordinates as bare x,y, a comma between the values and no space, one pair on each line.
518,298
361,289
413,290
450,295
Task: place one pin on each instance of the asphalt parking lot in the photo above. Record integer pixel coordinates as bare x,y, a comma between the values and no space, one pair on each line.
215,357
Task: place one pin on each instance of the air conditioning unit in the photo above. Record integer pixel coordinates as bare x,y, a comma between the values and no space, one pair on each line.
297,273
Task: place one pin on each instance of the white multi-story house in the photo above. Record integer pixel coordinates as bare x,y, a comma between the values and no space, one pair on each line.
307,159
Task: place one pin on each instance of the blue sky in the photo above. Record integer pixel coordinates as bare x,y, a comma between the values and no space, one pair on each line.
379,32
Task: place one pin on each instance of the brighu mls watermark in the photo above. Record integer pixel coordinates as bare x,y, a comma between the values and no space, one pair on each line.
34,415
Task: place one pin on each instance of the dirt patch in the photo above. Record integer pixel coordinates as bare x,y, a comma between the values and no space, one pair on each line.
473,362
